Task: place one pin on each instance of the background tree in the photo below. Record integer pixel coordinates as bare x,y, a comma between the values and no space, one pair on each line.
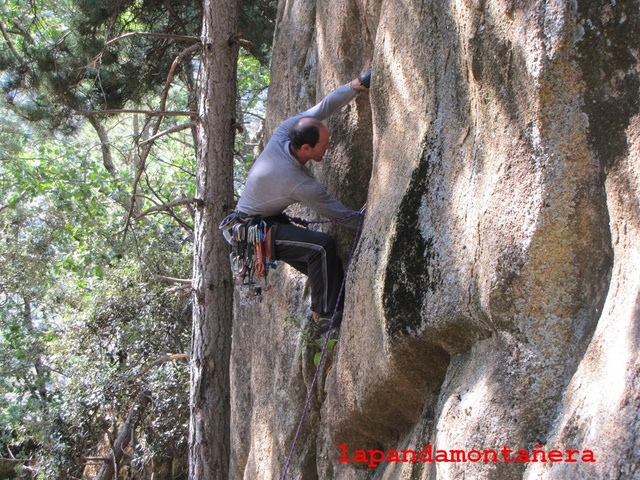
209,453
86,325
83,314
59,58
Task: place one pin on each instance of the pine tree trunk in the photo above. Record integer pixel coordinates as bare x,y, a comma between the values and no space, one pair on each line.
212,282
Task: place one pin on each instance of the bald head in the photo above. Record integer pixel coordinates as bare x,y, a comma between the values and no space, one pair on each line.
306,131
310,139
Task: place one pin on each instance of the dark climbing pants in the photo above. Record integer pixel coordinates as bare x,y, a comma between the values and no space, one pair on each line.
313,254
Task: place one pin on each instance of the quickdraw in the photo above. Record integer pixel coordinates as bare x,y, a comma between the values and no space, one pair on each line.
249,265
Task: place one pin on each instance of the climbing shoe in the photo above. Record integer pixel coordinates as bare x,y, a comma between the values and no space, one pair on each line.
321,322
319,325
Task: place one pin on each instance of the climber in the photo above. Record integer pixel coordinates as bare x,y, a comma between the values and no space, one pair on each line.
280,177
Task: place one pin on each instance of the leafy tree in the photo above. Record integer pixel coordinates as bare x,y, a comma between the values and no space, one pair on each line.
84,317
59,256
63,56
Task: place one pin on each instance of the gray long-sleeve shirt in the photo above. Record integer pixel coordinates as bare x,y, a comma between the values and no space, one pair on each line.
277,180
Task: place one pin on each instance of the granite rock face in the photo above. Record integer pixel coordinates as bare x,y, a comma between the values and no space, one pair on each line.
493,301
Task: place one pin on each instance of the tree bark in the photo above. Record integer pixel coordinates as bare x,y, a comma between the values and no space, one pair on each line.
109,467
107,158
209,428
39,389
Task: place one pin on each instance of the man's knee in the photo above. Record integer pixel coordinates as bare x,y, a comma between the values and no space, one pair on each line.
327,241
328,245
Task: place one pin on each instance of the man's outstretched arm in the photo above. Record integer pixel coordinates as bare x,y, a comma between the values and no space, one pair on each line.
340,97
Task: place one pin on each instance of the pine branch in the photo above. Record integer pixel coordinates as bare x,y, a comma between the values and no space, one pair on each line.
169,131
184,281
179,38
10,44
147,146
167,206
151,113
158,361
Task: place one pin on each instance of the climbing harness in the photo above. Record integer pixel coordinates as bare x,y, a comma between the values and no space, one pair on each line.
249,263
324,349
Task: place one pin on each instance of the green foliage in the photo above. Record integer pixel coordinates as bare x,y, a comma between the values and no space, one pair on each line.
82,312
55,58
105,347
253,80
257,23
330,345
253,83
83,315
309,340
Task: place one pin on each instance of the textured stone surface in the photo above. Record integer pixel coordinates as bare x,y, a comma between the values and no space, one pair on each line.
494,298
